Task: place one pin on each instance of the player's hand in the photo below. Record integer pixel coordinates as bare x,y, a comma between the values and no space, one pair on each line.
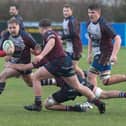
37,50
8,65
7,58
37,59
113,59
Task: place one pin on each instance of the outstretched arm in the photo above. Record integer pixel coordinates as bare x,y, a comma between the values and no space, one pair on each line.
20,67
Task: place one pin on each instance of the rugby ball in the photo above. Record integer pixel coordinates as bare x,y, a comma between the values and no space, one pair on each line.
8,47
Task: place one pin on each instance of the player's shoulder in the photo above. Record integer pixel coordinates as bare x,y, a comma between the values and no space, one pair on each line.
50,34
73,19
25,34
104,23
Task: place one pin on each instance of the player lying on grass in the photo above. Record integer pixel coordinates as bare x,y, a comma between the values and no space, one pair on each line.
66,93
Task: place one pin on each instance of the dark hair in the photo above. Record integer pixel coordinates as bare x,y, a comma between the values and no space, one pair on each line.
14,5
13,20
68,6
45,23
94,7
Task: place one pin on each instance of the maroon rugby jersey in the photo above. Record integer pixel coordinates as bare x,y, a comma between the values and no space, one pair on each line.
58,50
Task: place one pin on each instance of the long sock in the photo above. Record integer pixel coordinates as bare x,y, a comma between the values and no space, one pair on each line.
74,108
2,87
51,81
38,100
100,105
122,94
95,101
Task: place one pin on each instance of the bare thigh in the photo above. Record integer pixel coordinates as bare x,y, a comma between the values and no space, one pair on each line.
42,73
92,78
7,73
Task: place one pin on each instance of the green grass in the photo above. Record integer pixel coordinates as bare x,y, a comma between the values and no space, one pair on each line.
17,94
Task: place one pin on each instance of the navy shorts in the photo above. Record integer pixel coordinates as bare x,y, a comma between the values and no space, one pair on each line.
65,93
61,66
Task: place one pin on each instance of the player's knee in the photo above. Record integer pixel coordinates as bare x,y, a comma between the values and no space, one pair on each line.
98,91
49,102
105,77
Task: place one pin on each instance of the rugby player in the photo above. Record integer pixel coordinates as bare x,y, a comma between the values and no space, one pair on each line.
23,43
71,37
101,37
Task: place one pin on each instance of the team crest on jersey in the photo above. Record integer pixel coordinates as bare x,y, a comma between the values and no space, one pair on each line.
94,31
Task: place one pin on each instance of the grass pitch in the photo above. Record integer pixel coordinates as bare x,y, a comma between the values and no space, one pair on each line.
17,94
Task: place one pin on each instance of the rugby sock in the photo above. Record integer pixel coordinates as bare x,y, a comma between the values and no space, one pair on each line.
51,81
74,108
37,98
100,105
122,94
2,87
38,101
95,101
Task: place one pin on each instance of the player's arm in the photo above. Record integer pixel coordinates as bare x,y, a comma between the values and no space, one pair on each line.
31,43
76,42
37,50
20,67
116,48
109,31
48,47
74,28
